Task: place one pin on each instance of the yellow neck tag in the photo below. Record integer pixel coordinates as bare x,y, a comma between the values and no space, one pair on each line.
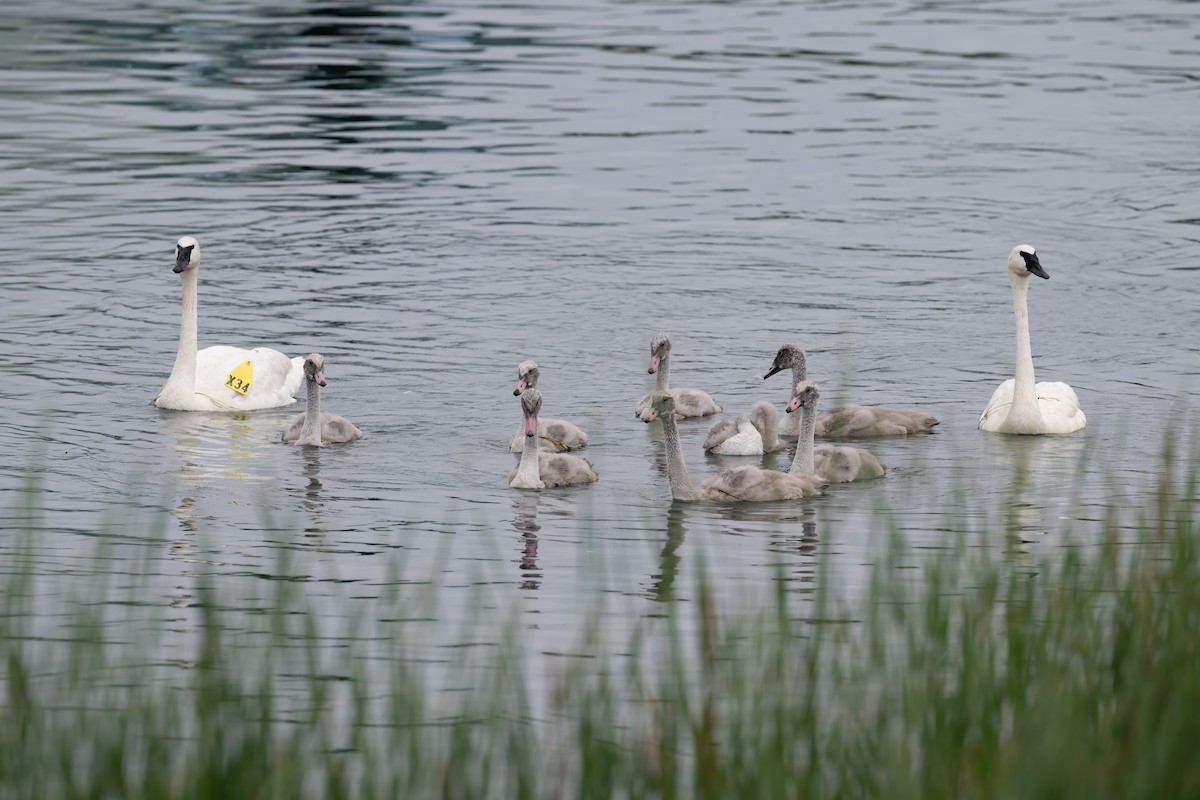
239,379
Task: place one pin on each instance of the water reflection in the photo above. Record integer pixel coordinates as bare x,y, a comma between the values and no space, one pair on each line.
219,456
662,583
798,535
1045,472
525,523
219,446
312,502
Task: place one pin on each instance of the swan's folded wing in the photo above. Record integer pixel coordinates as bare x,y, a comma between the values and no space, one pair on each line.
276,378
1058,391
719,432
561,434
1058,399
561,469
293,431
753,484
844,464
997,407
336,429
694,403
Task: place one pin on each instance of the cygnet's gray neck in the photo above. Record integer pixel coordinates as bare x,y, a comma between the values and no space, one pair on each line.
311,432
802,464
681,486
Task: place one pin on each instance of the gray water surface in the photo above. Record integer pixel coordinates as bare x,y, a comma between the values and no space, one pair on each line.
430,193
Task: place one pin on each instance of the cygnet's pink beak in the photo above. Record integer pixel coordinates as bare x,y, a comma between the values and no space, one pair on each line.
520,387
792,405
653,364
531,426
651,415
320,377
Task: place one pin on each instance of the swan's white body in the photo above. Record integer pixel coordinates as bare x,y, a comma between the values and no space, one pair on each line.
199,380
850,421
734,438
739,485
557,435
831,463
751,434
1020,404
314,427
688,402
539,469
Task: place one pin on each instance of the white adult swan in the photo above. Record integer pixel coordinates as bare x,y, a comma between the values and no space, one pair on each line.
557,435
688,402
849,421
1020,405
739,485
315,427
222,378
751,434
829,462
539,469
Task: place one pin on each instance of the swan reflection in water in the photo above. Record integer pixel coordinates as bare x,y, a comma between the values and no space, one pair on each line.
219,455
1040,475
662,583
525,523
789,528
210,449
311,500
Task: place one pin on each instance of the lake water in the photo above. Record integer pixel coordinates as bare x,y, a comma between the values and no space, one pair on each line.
430,193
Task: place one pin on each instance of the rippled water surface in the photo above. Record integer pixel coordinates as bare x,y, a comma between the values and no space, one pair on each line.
429,193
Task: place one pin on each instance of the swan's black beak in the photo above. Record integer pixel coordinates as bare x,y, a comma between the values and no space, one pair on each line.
774,368
183,258
1034,266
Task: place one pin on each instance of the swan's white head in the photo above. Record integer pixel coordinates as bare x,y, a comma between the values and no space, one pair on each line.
527,376
1023,262
789,356
314,368
187,254
662,404
660,348
531,404
804,394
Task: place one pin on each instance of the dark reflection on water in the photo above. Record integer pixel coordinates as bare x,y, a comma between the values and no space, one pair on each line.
428,193
525,523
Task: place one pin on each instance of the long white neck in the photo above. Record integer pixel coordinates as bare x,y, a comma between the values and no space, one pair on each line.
802,464
311,432
529,471
183,374
770,423
663,377
1025,404
681,486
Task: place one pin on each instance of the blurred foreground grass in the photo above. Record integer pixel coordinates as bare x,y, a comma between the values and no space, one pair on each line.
983,678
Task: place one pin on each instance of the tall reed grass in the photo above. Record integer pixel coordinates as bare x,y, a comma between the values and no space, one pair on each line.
982,679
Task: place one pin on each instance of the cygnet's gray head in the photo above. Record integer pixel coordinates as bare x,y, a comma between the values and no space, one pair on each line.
660,348
187,254
314,368
1023,262
531,404
804,394
527,376
789,355
662,405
